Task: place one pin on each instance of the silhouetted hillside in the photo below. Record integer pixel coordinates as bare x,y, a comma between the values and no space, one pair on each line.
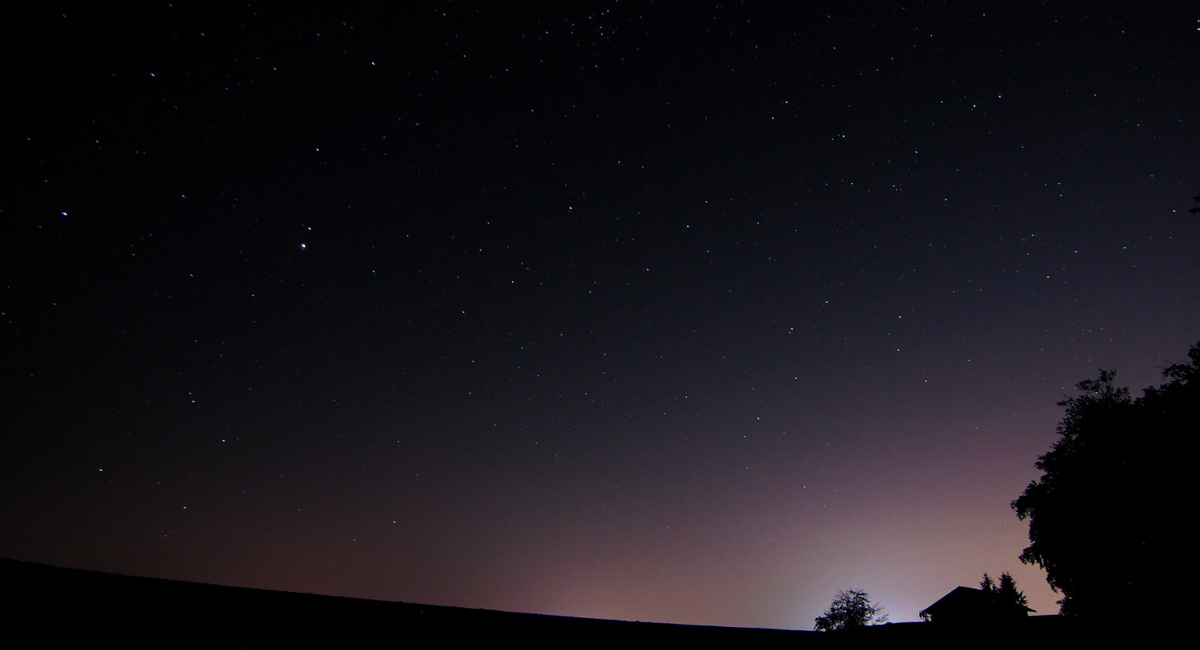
69,606
73,606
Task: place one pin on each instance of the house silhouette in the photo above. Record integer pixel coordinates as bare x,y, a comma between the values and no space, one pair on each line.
970,606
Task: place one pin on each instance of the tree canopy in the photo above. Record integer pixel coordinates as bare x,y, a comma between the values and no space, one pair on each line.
1104,518
851,609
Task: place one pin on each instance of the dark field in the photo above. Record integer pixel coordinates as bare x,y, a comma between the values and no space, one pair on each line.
70,606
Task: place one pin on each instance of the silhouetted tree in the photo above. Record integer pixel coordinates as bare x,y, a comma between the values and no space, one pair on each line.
1006,600
1008,595
987,584
851,609
1104,519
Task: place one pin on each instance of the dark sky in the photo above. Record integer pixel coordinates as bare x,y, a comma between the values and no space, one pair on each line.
682,312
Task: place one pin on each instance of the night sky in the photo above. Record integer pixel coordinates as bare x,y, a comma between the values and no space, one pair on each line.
681,312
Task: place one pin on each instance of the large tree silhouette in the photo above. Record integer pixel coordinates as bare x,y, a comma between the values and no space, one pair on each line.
1105,518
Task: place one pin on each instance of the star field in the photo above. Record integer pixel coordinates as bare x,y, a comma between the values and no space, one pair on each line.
692,313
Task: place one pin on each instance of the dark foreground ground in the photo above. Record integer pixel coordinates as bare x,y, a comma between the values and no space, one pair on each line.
54,607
